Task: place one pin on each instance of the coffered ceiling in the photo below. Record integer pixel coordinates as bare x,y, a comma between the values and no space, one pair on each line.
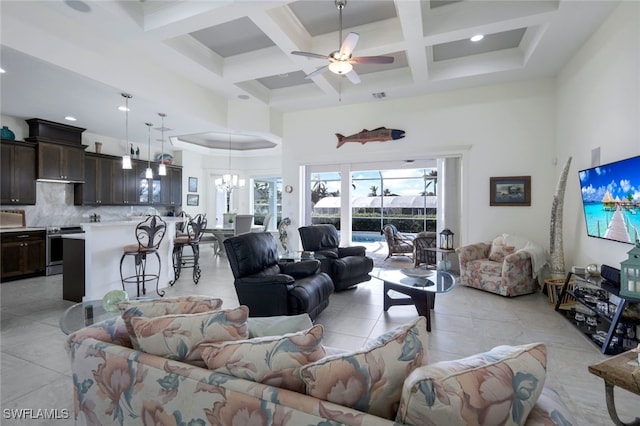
205,62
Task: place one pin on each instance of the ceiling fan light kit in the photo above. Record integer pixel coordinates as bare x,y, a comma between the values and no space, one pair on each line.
341,61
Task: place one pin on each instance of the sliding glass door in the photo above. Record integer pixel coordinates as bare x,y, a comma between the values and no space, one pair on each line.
373,195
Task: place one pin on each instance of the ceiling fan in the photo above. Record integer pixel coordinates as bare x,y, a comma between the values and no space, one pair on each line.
340,61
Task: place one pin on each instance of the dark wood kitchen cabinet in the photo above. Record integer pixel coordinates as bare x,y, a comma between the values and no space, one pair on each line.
23,254
171,187
98,186
126,182
18,174
59,161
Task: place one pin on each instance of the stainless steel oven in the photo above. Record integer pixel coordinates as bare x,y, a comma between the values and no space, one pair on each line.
54,250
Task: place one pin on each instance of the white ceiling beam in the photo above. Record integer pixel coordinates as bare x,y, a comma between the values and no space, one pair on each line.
410,16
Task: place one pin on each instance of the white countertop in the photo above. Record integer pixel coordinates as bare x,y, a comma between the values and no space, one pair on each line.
127,222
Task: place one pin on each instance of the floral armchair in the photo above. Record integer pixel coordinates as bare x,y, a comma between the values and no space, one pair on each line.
499,267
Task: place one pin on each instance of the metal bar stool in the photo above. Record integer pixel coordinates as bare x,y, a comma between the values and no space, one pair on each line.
190,237
149,234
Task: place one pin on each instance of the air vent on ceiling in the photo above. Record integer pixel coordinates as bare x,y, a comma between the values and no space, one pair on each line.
379,95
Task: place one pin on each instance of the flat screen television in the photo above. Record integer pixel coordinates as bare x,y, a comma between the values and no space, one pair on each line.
611,200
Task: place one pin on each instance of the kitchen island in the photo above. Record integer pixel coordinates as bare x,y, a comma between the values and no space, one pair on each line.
103,247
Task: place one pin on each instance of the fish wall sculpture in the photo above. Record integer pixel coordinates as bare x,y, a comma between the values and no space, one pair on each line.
381,134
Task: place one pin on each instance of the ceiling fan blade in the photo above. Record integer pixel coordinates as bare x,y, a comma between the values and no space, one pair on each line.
316,72
349,44
372,60
353,77
309,54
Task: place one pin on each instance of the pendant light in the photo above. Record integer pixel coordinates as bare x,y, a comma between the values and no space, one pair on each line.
149,173
162,169
126,158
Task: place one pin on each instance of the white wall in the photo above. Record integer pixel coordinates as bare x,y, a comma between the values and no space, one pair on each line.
505,130
599,106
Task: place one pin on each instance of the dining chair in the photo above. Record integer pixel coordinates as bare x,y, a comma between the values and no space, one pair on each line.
242,224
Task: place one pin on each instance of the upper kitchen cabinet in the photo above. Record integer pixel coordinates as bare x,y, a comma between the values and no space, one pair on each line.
60,151
60,162
98,187
171,194
18,174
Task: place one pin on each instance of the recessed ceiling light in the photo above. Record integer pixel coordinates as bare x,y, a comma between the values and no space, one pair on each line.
477,37
2,71
123,108
70,118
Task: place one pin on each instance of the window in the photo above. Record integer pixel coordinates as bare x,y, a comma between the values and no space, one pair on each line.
267,201
405,197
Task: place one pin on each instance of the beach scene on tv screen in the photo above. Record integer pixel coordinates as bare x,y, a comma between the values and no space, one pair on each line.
611,200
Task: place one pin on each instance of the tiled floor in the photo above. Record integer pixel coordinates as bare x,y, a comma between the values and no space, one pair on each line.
36,373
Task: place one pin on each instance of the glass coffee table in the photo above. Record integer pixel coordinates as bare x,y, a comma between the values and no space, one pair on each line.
420,284
84,314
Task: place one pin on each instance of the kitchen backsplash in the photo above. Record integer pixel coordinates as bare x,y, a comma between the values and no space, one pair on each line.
54,207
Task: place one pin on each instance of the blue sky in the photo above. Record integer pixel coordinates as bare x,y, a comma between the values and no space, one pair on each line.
619,178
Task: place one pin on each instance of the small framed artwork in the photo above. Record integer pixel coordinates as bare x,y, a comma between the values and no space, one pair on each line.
193,184
510,191
193,199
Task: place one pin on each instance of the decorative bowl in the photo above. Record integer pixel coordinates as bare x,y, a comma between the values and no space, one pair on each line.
111,300
417,272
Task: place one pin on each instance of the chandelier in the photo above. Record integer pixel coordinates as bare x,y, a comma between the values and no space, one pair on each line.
228,182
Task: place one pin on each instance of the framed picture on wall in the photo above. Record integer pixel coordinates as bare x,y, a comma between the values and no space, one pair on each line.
510,191
193,199
193,184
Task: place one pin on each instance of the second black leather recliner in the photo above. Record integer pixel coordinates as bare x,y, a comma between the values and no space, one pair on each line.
347,266
270,288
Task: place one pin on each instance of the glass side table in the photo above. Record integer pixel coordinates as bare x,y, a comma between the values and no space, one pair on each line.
84,314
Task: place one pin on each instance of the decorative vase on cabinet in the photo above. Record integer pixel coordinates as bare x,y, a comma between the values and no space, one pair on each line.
6,133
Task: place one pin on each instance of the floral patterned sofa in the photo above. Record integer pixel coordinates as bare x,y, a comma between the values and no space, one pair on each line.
247,375
507,265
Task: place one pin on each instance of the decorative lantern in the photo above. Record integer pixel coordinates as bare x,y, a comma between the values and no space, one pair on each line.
446,239
630,274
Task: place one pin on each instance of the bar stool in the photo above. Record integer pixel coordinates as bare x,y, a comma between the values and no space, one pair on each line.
149,234
182,224
190,237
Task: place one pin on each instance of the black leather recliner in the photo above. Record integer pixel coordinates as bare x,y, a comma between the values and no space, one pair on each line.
347,266
270,288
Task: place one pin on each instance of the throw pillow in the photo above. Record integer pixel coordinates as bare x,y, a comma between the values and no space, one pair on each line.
499,387
270,360
370,380
158,307
499,250
178,336
278,325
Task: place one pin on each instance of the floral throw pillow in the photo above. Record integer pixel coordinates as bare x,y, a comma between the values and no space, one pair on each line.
272,360
499,387
370,380
178,336
159,307
499,250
